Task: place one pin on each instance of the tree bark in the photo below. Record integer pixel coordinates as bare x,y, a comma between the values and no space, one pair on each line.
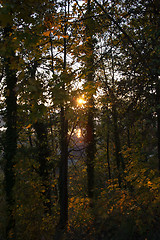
63,173
11,136
158,118
118,155
108,156
63,168
43,153
90,150
43,150
90,136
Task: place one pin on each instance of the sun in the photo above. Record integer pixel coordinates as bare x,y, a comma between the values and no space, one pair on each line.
81,101
79,134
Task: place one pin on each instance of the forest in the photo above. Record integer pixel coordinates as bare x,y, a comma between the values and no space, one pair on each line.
79,120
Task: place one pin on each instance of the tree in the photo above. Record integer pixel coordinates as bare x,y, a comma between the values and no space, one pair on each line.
11,132
90,135
63,165
138,39
13,41
111,51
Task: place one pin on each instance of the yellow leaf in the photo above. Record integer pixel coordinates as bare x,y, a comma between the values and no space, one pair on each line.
29,126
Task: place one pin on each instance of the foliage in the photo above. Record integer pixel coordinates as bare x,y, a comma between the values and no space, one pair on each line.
133,211
109,53
81,221
29,195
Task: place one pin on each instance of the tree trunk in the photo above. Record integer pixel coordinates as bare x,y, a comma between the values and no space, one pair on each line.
128,138
90,138
90,150
43,153
118,155
11,137
108,143
63,173
158,118
63,169
108,157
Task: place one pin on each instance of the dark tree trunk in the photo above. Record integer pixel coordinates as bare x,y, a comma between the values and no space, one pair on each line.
63,168
108,143
128,138
43,154
90,136
11,137
63,173
108,155
118,155
158,118
43,150
30,140
90,149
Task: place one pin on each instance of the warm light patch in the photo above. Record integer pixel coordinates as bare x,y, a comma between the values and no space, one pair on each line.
81,101
79,134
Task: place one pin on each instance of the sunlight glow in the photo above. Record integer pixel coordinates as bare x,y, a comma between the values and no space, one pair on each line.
81,101
79,134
